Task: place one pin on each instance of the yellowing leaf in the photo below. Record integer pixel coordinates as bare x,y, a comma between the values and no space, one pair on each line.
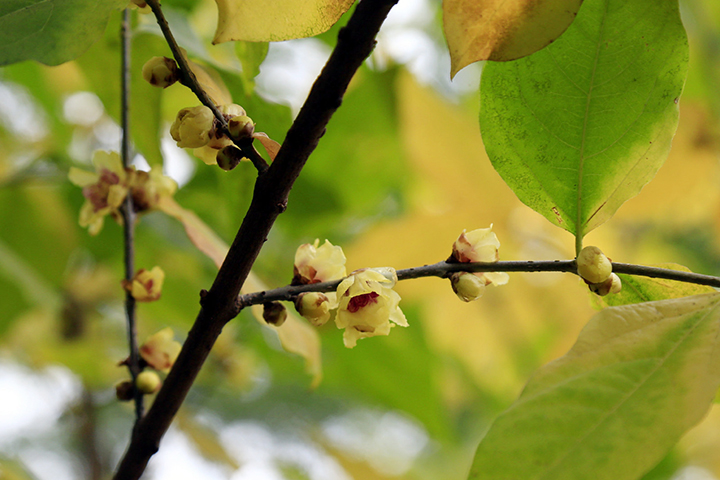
263,21
638,377
296,335
502,30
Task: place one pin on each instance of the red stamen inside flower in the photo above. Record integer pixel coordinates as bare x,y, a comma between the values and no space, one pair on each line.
109,177
356,303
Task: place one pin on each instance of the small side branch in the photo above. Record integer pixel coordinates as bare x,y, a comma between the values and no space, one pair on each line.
128,213
187,78
445,269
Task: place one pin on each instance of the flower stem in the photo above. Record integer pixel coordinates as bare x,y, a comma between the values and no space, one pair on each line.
128,213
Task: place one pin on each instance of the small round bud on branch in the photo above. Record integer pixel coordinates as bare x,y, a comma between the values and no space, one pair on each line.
161,72
314,306
124,391
593,265
467,286
148,382
274,313
241,127
613,284
229,157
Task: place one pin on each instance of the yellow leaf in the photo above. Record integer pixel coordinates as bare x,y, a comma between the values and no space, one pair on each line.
501,30
296,335
263,21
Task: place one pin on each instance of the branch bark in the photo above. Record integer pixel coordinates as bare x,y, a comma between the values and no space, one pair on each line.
355,43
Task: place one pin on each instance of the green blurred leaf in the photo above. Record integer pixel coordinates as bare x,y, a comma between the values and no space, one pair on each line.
51,31
251,55
579,127
638,377
145,100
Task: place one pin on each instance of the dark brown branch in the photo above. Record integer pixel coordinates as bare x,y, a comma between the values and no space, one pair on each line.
355,43
187,78
444,269
128,213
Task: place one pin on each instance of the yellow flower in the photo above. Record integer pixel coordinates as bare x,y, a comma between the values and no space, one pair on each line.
367,305
160,350
315,264
146,285
480,245
104,190
191,128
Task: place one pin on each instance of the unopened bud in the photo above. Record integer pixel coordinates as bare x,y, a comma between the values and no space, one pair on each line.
314,306
148,382
593,265
612,285
274,313
229,157
191,128
467,286
241,126
124,391
161,72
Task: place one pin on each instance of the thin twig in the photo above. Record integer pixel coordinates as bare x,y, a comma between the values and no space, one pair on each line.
128,213
444,269
355,43
187,78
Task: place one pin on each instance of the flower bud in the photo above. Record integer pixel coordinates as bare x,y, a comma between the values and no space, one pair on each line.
231,110
593,265
124,391
241,126
315,264
314,306
274,313
229,157
467,286
148,382
613,284
191,128
160,350
161,72
146,285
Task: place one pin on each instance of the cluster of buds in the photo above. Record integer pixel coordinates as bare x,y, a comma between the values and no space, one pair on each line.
596,270
479,245
196,127
158,353
105,189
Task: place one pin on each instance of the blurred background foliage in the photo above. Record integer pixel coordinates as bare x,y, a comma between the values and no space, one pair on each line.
399,174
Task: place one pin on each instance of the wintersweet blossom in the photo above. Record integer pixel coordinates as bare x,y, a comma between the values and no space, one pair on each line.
104,190
160,350
191,128
480,245
315,264
146,285
367,305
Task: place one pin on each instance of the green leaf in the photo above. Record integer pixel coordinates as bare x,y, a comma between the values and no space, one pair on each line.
579,127
251,55
51,31
262,21
499,30
638,377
